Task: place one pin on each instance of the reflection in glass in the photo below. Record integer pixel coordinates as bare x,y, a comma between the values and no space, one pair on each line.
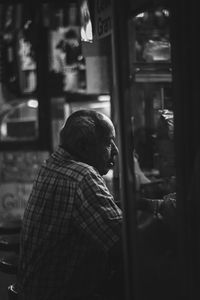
151,109
20,121
152,103
18,37
152,36
18,80
67,25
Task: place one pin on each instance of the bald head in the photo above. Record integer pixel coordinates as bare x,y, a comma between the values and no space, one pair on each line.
84,132
83,125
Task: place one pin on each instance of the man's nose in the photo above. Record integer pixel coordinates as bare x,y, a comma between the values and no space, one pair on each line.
115,150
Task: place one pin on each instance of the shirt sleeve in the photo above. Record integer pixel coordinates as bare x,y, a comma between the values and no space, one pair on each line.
96,212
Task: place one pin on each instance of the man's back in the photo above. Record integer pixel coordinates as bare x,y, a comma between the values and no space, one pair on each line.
70,224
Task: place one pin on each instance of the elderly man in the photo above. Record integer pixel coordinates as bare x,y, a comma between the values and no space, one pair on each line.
71,223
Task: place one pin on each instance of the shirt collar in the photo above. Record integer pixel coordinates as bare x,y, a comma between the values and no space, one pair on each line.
61,153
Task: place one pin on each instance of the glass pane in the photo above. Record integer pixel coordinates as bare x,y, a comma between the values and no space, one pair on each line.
151,106
18,79
152,36
66,63
151,101
18,64
17,172
20,122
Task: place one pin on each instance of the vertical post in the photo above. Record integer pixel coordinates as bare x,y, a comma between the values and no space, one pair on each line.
186,65
123,120
43,94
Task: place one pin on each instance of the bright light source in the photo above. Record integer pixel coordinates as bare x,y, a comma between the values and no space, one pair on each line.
166,12
86,25
104,98
141,15
4,130
86,33
33,103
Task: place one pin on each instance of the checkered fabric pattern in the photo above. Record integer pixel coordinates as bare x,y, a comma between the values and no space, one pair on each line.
70,223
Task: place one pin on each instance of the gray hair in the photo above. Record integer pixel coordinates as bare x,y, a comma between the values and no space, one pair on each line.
83,125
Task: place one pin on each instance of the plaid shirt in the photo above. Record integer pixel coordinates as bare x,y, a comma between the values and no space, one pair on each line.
70,223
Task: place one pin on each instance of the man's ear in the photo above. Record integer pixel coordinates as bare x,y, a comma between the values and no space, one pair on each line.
83,149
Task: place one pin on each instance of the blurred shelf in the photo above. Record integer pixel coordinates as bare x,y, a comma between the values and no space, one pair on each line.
152,72
153,77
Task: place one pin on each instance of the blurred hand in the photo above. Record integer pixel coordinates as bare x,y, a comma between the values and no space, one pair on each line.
167,210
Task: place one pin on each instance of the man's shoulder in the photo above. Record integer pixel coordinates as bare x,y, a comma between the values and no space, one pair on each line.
81,169
69,168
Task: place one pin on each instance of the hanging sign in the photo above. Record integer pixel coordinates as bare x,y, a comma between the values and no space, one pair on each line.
103,18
